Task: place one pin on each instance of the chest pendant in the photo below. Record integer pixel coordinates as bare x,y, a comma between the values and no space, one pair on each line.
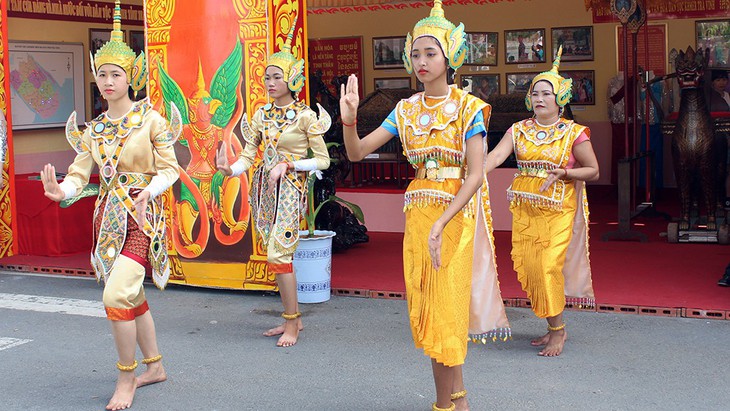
269,155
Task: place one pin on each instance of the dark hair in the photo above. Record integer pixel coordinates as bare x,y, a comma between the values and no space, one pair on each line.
716,74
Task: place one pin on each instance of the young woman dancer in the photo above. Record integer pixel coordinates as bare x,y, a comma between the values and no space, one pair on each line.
287,128
132,145
448,258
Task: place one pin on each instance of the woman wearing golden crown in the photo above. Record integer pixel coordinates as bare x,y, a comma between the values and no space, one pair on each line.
287,128
549,206
133,147
448,251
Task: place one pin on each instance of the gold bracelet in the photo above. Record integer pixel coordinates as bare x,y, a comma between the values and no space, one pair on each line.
291,316
127,368
458,395
156,358
452,407
558,328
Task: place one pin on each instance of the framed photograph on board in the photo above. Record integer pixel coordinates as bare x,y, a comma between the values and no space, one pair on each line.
481,85
577,43
97,38
519,82
388,52
393,82
524,46
481,49
715,35
46,83
584,86
136,41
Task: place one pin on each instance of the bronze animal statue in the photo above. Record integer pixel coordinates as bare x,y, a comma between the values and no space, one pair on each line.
693,142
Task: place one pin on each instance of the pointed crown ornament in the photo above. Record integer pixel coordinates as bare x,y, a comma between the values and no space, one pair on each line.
562,87
284,59
451,38
117,52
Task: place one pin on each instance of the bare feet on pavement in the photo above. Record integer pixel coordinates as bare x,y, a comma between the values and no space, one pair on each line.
155,373
555,343
124,393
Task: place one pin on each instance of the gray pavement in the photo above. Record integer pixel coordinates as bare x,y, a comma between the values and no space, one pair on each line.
354,354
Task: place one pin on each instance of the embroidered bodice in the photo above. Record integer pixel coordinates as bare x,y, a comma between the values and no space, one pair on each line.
540,148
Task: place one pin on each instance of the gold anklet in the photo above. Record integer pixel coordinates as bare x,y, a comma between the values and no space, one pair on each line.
127,368
291,316
558,328
458,395
156,358
452,407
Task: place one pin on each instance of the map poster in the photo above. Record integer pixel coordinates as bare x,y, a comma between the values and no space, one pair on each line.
46,83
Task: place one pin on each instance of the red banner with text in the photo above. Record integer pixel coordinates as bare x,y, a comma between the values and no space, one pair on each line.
336,57
74,10
677,9
657,55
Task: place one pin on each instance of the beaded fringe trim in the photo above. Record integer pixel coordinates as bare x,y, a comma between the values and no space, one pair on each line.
501,334
424,198
585,303
420,155
536,200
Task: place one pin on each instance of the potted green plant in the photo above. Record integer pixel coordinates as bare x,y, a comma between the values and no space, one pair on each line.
313,256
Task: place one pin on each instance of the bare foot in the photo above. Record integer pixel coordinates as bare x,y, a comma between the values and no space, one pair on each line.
280,330
555,344
155,373
462,404
290,333
124,393
540,341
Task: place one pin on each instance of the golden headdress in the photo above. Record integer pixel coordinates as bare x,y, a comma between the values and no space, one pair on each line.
451,38
293,69
117,52
562,87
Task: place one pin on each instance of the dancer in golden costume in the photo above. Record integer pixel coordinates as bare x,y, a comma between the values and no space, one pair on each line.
448,252
132,145
287,128
549,205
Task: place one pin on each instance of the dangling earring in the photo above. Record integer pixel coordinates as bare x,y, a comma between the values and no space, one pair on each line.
561,110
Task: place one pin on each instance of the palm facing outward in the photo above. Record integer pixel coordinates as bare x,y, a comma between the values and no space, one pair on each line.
51,188
221,160
349,100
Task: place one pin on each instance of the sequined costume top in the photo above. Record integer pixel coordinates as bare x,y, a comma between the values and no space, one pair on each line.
538,149
133,153
284,134
433,140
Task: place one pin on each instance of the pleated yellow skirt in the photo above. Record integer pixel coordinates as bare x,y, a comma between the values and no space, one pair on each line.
438,301
540,239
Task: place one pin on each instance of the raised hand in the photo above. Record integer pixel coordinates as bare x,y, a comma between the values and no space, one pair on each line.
221,160
349,100
51,188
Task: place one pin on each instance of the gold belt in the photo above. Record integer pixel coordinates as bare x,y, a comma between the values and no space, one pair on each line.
131,180
442,173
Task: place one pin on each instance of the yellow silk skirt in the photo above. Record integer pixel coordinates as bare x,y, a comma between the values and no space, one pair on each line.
438,301
540,239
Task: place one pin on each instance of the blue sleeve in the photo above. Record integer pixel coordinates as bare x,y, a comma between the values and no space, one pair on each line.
390,125
477,126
